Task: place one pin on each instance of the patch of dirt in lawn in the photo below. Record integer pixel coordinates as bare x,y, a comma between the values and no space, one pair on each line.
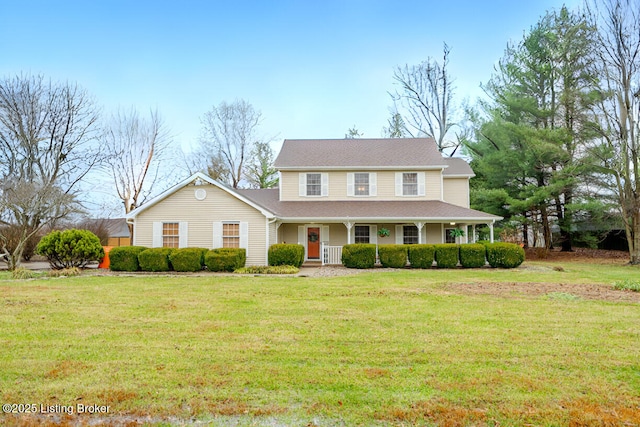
598,256
560,291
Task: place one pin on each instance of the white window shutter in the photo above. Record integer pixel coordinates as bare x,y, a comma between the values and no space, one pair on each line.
183,234
325,184
399,234
244,236
217,234
302,182
398,183
373,184
325,234
301,236
373,234
421,184
157,235
350,184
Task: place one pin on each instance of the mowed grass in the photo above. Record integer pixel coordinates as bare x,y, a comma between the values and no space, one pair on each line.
383,348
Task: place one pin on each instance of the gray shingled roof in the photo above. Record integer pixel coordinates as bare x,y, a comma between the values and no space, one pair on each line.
360,153
361,209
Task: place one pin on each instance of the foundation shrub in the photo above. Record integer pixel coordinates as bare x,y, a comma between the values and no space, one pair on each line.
421,256
393,256
446,255
504,255
286,254
225,259
359,255
155,259
125,258
188,259
472,255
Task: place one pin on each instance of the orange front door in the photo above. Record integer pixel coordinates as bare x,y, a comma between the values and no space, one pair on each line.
313,243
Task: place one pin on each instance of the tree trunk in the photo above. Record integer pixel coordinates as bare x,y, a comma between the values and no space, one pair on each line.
546,227
634,238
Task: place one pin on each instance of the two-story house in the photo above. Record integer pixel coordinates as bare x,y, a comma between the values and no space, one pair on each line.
331,193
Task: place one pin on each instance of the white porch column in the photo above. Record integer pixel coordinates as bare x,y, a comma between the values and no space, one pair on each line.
490,232
420,226
349,226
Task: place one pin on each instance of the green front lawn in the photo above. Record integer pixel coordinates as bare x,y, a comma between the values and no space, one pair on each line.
387,348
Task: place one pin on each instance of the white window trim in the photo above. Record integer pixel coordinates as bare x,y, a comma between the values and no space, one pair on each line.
324,184
421,184
351,187
157,239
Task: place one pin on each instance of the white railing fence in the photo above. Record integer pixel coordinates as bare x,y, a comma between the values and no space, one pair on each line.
331,254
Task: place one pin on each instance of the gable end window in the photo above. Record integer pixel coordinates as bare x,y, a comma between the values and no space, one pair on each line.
169,234
230,234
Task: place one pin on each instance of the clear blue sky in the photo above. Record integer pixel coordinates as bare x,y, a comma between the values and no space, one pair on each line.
314,68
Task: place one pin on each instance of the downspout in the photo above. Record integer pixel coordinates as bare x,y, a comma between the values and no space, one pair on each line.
132,222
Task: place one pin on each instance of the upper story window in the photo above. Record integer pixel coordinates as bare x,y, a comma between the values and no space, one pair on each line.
314,184
410,183
361,184
170,234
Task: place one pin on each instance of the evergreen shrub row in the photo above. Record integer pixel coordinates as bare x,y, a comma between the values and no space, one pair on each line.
140,258
448,255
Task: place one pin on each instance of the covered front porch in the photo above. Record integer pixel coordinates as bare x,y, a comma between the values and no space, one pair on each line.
323,241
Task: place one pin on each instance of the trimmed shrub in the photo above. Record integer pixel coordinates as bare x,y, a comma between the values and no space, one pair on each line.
70,248
446,255
271,269
359,255
393,256
286,254
125,258
504,255
225,259
188,259
472,255
421,256
155,259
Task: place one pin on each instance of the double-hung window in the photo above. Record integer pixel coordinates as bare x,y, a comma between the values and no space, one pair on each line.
171,234
361,234
409,184
314,184
361,184
230,234
410,235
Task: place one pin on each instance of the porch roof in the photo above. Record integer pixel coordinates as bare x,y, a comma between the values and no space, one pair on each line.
369,210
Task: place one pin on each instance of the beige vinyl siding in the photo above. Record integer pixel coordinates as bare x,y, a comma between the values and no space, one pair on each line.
433,233
385,186
456,191
182,206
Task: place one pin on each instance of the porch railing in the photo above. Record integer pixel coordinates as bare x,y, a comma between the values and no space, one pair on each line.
331,254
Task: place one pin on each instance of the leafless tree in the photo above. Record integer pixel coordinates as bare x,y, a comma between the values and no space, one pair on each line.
425,98
47,134
617,118
135,149
229,135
